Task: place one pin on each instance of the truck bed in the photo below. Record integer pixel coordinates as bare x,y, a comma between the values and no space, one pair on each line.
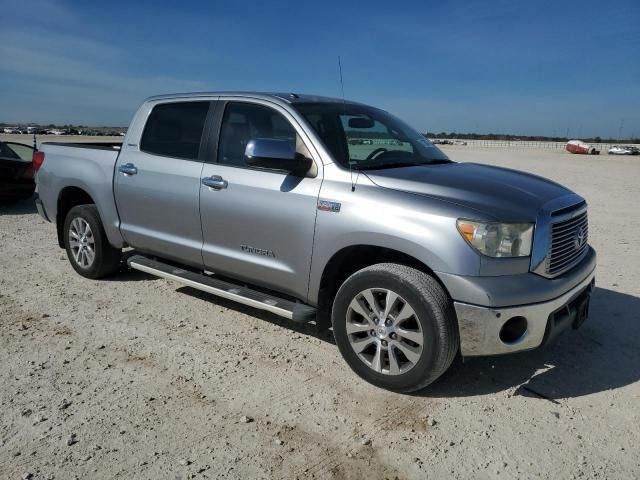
87,167
92,145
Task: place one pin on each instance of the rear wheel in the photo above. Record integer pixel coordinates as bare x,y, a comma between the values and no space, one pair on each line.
86,243
395,326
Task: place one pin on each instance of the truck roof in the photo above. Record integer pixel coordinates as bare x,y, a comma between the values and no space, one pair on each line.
290,97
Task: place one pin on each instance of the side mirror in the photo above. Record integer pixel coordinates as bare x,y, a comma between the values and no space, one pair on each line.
276,154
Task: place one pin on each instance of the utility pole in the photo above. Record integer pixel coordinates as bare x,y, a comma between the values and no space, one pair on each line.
621,127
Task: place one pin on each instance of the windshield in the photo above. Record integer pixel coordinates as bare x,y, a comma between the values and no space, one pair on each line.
367,138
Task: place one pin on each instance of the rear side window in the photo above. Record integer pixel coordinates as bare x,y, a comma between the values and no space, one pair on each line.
175,129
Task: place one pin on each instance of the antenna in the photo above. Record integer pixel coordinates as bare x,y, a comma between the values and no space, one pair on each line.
342,84
344,107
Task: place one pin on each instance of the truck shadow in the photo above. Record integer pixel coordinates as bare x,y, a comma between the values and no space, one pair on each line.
126,274
302,328
21,207
602,355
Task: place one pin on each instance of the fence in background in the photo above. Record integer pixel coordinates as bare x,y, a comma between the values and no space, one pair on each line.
603,147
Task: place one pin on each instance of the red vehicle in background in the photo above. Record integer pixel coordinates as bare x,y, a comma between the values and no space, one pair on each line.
580,147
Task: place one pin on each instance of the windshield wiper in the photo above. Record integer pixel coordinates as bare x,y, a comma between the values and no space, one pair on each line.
385,165
381,166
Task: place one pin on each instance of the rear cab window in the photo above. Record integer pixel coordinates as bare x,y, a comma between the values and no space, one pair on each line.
175,129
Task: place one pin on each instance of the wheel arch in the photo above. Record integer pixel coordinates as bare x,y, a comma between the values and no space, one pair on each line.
350,259
69,197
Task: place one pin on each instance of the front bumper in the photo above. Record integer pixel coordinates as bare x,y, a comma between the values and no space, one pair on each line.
480,327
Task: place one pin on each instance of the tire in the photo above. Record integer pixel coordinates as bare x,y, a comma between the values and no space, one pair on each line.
425,343
105,259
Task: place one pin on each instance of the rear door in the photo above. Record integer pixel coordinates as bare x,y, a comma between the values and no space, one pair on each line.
15,165
157,182
258,224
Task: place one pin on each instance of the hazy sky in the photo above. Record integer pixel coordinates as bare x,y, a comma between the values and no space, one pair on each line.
536,67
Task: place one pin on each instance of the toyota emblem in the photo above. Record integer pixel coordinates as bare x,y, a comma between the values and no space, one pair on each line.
578,238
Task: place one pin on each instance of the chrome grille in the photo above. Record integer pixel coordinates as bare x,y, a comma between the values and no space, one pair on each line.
569,243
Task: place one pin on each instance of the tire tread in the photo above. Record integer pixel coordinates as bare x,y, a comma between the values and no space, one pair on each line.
437,300
108,259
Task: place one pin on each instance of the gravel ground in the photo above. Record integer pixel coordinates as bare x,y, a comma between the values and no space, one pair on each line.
136,377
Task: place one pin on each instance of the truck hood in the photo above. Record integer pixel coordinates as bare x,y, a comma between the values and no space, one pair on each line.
502,193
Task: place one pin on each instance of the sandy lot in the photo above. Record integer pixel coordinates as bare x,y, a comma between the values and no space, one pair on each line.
136,377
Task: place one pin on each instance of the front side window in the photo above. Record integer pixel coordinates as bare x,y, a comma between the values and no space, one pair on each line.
175,129
245,121
366,138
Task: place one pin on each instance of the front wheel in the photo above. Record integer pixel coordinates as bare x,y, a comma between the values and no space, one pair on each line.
395,326
86,243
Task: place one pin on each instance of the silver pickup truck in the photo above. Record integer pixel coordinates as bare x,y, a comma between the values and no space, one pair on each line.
324,210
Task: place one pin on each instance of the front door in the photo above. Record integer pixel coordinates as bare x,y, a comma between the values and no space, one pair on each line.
258,225
157,183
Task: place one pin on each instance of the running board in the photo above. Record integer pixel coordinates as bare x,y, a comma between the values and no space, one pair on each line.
295,311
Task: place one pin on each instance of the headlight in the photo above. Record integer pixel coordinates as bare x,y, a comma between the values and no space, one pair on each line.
498,239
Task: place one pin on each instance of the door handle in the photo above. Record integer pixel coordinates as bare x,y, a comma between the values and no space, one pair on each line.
216,182
128,169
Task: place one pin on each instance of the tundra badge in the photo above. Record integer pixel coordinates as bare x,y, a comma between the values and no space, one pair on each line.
258,251
328,206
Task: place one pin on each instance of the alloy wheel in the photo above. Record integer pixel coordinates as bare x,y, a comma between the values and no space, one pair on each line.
384,331
82,242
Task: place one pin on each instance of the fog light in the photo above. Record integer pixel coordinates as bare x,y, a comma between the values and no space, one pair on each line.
513,330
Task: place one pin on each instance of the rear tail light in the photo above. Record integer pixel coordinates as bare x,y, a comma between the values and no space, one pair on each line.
37,160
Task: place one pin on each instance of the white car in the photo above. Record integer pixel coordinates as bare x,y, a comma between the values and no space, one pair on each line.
624,150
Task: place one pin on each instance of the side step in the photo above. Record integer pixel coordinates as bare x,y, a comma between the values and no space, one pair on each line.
298,312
